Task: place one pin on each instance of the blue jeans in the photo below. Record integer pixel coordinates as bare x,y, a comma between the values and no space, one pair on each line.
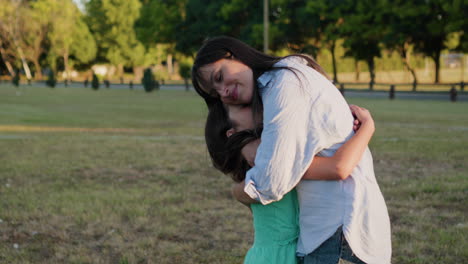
335,250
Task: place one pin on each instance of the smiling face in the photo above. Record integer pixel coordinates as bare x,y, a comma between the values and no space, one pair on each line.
230,80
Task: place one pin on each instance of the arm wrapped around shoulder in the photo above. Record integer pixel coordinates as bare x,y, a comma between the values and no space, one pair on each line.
293,134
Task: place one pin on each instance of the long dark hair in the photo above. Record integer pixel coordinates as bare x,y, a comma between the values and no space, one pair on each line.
224,47
225,152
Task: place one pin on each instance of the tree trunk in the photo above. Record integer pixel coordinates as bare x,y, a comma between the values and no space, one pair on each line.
169,64
37,53
436,59
3,55
462,68
27,71
7,63
370,63
137,73
335,74
356,69
38,75
406,61
413,73
10,68
186,84
65,62
120,69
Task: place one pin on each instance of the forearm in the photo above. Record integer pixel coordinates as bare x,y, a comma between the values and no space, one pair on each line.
346,158
240,195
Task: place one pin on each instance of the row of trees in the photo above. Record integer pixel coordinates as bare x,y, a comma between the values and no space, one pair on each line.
40,32
426,27
138,33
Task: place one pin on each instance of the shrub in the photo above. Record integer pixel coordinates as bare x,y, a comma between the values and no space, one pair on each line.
95,82
51,81
149,83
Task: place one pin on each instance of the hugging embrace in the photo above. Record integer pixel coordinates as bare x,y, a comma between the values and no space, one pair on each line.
298,154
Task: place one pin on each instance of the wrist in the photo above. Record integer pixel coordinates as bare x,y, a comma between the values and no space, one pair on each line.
368,125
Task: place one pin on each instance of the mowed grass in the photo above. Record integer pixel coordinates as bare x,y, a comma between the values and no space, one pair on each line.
120,176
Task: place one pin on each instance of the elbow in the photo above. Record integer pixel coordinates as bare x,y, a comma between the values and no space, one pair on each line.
341,173
270,196
237,191
239,194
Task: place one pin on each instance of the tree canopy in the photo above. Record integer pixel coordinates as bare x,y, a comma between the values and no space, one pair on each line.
141,33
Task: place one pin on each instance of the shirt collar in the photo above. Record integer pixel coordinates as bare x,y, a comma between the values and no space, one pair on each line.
264,79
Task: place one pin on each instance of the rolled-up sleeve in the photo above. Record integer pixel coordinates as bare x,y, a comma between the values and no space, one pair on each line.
287,148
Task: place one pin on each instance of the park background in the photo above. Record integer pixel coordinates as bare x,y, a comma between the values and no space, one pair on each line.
123,176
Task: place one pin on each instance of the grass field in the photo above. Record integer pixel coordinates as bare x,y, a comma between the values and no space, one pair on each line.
118,176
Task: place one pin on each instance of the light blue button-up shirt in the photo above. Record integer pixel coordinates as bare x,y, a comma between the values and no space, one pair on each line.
305,115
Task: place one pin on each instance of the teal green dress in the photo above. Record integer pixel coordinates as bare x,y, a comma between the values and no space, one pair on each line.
276,231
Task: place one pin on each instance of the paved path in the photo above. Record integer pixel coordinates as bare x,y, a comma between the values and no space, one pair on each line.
351,93
442,96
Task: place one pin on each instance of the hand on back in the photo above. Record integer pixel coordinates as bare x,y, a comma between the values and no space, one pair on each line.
362,116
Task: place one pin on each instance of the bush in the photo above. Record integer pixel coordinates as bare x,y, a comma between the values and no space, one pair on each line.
95,82
148,81
51,81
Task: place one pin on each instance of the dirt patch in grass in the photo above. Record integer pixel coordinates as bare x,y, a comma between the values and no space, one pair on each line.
17,128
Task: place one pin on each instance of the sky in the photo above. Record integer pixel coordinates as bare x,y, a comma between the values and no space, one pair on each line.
80,4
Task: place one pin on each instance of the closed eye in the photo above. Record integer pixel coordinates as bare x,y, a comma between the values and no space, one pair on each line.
219,77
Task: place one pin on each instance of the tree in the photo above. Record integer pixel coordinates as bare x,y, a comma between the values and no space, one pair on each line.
362,33
158,21
112,24
244,20
437,19
7,57
201,21
399,27
12,28
83,47
69,36
157,25
463,41
326,18
235,18
35,34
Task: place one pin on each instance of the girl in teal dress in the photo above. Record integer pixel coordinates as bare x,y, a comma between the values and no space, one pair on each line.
276,231
232,143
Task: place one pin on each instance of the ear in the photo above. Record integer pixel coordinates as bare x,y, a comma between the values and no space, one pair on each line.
230,132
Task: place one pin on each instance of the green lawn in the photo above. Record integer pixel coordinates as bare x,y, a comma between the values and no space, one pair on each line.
120,176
